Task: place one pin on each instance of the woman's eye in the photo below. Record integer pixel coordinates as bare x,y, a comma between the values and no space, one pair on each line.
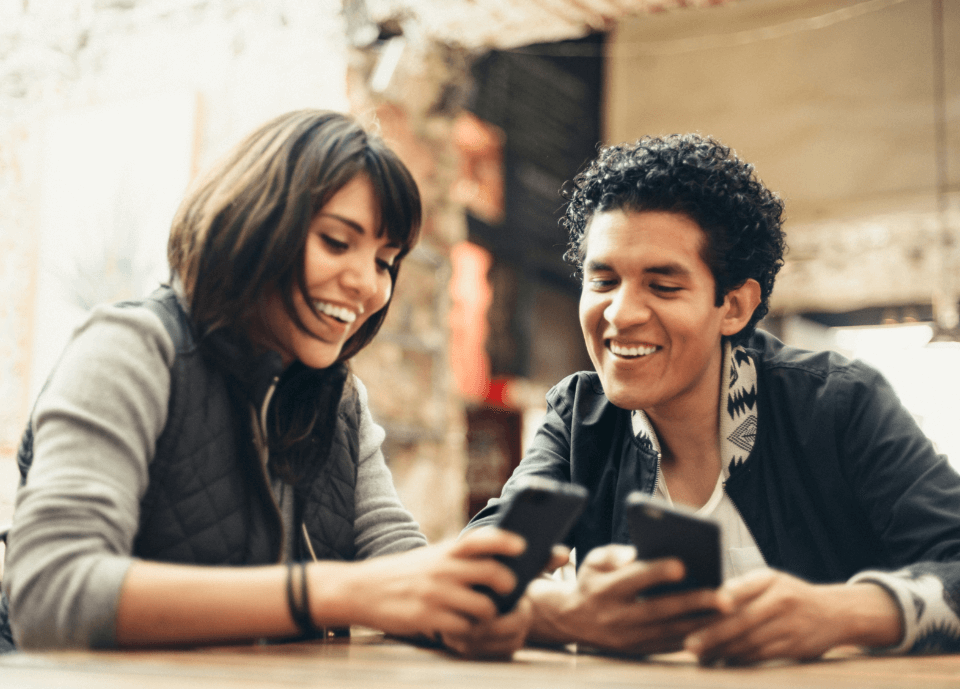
383,266
334,244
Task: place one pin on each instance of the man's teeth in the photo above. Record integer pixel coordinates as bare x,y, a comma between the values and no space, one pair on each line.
620,350
339,312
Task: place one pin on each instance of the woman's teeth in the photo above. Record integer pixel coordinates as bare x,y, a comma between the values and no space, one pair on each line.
341,313
620,350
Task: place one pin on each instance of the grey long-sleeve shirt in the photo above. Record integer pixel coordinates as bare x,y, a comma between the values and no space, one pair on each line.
96,425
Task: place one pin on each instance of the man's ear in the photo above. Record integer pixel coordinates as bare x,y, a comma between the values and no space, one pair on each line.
739,304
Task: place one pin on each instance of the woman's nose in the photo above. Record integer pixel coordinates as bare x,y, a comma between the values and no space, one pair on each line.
361,277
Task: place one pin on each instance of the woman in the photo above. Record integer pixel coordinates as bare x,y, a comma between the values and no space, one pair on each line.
215,423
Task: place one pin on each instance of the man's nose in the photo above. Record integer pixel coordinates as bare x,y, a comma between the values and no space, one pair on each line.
627,307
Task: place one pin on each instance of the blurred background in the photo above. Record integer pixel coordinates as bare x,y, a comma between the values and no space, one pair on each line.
848,108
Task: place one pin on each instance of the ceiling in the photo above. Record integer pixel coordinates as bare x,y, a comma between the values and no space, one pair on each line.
478,24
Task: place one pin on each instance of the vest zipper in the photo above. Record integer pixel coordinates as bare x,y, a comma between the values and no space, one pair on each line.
264,458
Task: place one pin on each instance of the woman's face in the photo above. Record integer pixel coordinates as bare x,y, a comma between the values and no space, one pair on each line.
347,276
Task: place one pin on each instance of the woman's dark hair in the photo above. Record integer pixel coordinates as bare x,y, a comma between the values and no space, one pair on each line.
242,231
704,180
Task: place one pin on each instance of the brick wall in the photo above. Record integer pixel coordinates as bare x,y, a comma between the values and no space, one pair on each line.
239,62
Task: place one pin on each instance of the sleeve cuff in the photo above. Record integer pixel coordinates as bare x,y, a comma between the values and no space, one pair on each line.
906,602
930,624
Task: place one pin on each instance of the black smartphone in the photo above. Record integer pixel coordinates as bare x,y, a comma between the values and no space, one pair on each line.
659,529
543,512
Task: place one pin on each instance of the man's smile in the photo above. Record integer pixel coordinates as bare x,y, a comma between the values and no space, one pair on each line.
631,351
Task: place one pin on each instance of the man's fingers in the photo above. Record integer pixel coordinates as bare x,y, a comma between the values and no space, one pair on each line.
610,557
632,579
559,556
749,586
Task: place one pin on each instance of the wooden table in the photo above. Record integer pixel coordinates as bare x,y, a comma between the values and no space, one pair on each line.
371,661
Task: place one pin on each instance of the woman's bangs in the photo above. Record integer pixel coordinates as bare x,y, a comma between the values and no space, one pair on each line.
399,200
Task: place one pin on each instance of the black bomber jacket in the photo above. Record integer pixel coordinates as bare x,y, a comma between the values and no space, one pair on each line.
840,479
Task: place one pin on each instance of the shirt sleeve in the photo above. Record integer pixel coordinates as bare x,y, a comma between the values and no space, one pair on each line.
547,456
382,525
911,496
95,427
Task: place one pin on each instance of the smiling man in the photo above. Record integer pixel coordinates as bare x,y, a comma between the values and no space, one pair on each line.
840,522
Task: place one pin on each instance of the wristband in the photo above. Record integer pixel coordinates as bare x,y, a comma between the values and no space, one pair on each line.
300,605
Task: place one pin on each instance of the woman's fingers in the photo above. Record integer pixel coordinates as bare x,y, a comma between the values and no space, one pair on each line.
488,541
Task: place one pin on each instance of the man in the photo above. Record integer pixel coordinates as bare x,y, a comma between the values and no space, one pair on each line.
841,524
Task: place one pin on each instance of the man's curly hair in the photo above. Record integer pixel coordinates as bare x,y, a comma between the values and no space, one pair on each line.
701,178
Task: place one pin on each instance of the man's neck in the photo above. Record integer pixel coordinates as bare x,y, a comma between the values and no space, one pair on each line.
689,432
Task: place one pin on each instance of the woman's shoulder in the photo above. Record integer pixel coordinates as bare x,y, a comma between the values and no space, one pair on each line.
131,326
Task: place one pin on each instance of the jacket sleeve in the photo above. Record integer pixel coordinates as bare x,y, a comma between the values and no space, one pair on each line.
548,454
912,498
95,427
381,525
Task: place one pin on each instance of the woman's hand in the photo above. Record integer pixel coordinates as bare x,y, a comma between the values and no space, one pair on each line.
776,615
605,608
427,591
501,636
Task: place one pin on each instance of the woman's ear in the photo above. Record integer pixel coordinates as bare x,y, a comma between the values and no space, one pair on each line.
739,303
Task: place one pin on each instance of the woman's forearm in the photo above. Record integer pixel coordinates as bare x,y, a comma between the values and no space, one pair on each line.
169,604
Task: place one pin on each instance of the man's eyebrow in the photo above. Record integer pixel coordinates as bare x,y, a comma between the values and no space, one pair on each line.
668,269
596,266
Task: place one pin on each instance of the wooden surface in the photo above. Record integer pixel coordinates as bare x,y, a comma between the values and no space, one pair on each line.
368,660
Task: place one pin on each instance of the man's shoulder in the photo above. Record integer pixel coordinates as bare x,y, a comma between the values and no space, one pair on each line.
581,383
773,356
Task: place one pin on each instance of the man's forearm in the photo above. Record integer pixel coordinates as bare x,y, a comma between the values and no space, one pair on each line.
873,617
549,599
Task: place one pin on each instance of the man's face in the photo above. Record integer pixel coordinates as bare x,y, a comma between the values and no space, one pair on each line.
647,311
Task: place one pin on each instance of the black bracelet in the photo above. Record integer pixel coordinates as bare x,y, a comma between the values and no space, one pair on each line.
300,606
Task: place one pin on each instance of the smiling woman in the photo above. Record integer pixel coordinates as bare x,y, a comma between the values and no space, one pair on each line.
215,424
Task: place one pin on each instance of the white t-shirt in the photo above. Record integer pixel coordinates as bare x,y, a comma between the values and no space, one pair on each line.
740,551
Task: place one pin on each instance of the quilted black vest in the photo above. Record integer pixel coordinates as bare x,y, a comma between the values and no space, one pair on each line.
208,500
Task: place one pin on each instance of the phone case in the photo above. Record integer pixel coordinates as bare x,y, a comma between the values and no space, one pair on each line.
659,529
543,512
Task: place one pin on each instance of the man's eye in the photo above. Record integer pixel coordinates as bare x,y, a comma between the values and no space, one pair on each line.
665,289
601,283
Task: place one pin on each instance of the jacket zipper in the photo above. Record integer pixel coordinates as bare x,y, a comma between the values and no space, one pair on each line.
656,476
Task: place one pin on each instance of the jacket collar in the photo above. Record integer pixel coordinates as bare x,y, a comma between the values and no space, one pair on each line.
738,410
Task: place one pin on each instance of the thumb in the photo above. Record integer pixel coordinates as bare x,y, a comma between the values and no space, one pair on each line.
610,557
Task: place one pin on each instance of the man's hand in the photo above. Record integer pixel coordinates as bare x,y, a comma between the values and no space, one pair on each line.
605,607
780,616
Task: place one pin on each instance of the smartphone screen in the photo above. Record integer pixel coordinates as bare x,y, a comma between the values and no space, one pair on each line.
659,530
543,512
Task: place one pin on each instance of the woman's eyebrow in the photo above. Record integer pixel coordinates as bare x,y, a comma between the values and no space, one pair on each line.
357,227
